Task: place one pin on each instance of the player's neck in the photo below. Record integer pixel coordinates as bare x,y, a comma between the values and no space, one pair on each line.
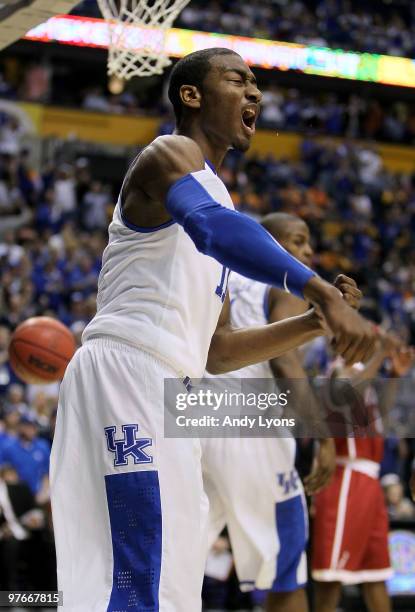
214,152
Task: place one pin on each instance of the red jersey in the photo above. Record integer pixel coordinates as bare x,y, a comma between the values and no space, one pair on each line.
360,448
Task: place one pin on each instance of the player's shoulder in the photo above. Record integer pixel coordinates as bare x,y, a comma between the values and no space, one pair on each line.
173,151
163,162
175,142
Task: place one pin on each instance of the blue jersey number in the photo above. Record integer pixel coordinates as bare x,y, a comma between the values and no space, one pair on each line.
222,288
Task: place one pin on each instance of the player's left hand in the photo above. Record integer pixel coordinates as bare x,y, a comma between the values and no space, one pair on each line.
353,337
351,295
323,469
350,291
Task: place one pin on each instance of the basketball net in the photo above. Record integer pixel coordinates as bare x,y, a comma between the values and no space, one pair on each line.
137,33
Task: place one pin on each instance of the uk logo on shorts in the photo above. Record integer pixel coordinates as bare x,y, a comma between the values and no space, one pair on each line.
128,446
288,481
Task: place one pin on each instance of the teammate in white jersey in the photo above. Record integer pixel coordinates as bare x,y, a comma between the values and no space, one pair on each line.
252,483
128,504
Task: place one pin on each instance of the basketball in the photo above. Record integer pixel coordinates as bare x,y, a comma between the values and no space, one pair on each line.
40,349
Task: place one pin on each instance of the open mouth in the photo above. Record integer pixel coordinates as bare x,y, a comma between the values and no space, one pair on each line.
249,118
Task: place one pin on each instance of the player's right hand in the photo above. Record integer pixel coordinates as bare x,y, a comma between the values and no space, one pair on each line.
354,338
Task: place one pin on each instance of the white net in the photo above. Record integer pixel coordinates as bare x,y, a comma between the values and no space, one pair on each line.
137,31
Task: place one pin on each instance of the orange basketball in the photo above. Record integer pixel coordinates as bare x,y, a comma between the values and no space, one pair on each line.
40,349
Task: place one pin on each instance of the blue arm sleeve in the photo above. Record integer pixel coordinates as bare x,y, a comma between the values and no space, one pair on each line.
234,239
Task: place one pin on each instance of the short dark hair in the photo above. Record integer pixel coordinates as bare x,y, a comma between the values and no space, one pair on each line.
276,223
191,70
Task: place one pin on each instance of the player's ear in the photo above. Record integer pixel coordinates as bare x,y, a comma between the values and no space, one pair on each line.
190,96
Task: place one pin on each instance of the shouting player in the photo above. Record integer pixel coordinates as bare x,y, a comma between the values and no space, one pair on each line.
129,506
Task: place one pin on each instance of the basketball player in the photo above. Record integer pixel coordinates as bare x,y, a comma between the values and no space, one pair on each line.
252,483
129,506
350,528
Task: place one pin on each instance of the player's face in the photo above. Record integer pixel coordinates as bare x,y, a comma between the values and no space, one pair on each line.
230,102
296,240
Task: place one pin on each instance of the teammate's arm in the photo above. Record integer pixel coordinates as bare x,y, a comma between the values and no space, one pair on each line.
302,399
233,349
162,175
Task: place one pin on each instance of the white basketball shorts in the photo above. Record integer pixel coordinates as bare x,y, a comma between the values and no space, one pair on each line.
128,505
254,489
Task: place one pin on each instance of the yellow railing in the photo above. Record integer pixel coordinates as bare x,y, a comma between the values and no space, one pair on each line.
135,131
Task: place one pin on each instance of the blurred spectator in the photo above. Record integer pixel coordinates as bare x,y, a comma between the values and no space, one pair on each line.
7,376
95,207
43,398
399,507
272,114
19,519
77,329
36,83
11,132
15,399
64,193
11,419
29,455
361,203
49,431
42,408
95,100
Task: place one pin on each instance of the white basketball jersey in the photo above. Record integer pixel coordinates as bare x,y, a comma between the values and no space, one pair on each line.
156,291
249,307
